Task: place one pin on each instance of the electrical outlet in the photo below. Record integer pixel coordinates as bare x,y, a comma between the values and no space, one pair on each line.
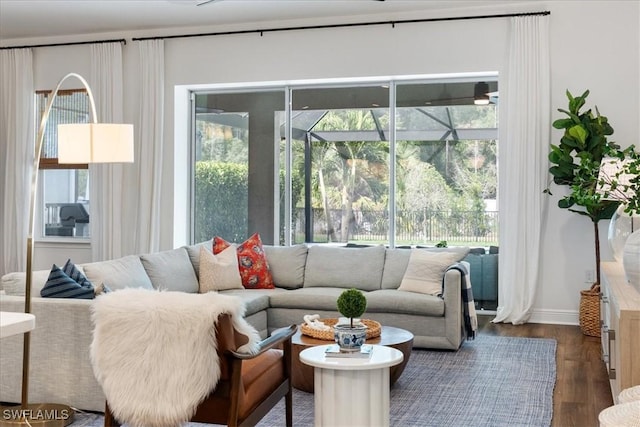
589,276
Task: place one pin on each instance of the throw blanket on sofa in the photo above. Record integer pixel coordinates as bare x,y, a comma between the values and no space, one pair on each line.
154,353
468,305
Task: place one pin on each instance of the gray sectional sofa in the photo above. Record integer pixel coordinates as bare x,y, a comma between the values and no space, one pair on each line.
308,280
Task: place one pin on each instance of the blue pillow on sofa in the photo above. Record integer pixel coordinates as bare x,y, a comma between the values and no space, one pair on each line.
61,284
73,272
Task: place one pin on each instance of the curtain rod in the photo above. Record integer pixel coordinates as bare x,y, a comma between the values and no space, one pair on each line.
355,24
123,41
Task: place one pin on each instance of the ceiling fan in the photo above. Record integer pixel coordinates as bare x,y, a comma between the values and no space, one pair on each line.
481,96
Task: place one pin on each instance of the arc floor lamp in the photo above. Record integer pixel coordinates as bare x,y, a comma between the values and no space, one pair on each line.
77,143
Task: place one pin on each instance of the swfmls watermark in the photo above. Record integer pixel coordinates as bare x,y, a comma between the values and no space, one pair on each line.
36,414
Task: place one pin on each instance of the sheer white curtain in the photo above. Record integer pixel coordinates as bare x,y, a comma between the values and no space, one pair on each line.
16,155
524,145
109,238
150,135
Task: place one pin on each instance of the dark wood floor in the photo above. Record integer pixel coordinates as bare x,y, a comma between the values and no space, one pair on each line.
582,386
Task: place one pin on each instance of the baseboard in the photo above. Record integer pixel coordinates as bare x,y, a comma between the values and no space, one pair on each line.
555,317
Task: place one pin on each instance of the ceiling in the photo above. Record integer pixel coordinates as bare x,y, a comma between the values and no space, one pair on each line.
24,19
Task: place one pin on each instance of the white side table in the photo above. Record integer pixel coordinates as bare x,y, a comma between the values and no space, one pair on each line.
13,323
351,391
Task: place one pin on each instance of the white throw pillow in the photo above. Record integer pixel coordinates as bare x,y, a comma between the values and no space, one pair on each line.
219,272
426,269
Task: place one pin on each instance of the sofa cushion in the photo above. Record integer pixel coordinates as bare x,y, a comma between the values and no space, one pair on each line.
330,266
312,299
170,271
194,253
252,263
15,283
121,273
255,300
395,264
380,301
395,301
426,269
287,264
219,272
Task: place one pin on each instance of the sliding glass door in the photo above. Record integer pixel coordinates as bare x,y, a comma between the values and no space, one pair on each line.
340,151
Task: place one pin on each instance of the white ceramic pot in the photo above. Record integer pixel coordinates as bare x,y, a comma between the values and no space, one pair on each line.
350,339
631,259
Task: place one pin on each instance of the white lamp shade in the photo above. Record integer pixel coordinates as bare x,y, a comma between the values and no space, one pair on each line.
95,143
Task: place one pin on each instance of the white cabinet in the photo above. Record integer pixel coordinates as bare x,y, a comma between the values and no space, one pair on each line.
620,318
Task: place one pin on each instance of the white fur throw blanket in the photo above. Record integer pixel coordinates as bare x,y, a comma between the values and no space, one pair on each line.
154,352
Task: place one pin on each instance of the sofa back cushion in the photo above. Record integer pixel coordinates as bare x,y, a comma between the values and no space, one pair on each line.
330,266
15,283
194,253
395,264
126,272
287,264
171,270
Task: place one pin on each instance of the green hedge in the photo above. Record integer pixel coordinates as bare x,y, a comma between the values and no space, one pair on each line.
221,207
221,201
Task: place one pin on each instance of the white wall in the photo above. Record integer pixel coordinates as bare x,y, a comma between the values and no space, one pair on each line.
594,45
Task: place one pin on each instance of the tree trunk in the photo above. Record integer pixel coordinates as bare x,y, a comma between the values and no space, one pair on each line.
596,233
347,199
331,231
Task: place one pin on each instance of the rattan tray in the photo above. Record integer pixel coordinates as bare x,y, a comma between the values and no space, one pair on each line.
373,329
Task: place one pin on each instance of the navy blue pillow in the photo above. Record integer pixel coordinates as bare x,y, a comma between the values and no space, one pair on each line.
72,271
60,285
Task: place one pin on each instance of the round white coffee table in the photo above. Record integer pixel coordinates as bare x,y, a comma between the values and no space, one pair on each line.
351,391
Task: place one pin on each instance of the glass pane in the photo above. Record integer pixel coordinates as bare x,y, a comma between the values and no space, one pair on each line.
66,202
231,129
70,106
446,166
65,192
340,159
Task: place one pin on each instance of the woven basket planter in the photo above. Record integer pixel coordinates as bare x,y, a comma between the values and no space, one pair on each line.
590,311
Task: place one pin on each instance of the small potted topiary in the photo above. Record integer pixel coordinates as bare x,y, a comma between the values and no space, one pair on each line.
351,303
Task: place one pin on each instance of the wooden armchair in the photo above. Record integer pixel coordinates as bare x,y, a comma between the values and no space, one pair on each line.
250,384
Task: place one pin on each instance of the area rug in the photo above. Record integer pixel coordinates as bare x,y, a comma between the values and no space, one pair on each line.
491,381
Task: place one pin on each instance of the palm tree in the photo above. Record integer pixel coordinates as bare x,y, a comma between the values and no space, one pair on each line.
353,176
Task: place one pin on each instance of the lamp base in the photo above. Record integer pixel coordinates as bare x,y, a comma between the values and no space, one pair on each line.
36,414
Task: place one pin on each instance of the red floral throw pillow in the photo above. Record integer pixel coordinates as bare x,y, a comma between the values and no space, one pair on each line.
252,262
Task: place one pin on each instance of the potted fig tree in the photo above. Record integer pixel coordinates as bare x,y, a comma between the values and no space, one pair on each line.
352,304
575,164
